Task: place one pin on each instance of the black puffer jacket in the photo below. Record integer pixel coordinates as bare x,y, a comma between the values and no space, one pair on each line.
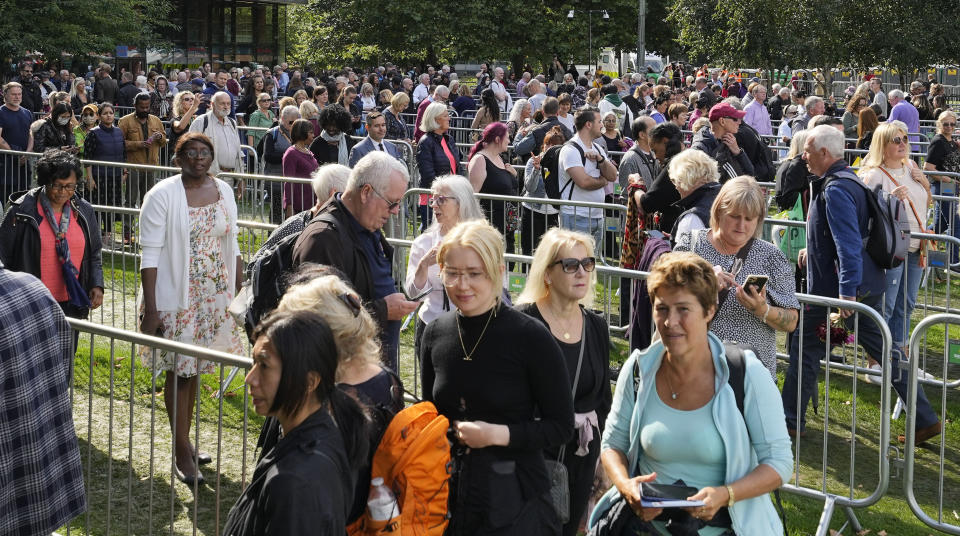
20,237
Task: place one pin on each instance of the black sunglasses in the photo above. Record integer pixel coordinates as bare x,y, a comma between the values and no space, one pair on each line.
571,265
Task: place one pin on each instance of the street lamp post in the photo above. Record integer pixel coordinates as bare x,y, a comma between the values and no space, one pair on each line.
590,12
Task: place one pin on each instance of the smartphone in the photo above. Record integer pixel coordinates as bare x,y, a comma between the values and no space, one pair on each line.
757,281
418,297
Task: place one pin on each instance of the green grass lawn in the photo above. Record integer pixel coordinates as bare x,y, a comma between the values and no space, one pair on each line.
118,408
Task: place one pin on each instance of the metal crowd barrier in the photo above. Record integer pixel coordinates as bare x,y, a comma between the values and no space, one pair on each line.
945,495
126,445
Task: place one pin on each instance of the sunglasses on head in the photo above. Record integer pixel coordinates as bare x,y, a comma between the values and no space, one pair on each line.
571,265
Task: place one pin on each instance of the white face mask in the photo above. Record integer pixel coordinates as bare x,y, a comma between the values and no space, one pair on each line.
89,119
63,121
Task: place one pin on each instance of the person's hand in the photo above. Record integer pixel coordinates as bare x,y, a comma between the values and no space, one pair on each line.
847,312
23,160
96,297
802,258
725,279
91,184
593,156
150,324
510,169
479,434
730,141
638,201
536,161
918,176
713,499
753,301
630,490
398,306
900,192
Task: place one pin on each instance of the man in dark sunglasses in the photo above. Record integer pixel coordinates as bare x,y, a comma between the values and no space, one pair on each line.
346,234
32,95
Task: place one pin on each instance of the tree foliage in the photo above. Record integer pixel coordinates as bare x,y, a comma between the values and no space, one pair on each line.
332,33
82,26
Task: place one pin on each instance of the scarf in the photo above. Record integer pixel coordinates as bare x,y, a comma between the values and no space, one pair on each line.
614,99
78,296
164,104
342,157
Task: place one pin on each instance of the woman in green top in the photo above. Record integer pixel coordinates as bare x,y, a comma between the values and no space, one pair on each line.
263,118
88,120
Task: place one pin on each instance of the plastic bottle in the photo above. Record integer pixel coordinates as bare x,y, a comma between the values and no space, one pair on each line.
381,503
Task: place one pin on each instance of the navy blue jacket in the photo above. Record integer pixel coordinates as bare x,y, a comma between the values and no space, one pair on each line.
433,162
837,263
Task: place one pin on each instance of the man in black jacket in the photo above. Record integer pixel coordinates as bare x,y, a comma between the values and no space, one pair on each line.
128,90
778,103
346,234
532,143
720,142
32,96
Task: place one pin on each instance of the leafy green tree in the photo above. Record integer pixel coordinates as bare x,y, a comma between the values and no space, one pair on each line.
82,26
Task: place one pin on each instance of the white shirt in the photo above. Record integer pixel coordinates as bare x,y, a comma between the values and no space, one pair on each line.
536,102
566,121
570,158
501,92
226,141
433,303
419,93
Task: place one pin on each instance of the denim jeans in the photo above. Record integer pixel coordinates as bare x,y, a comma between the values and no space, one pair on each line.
898,284
945,218
584,224
814,349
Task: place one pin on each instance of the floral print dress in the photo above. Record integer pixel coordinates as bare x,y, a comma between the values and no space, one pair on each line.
206,321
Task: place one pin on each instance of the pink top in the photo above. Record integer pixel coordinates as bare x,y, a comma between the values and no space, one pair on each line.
297,163
51,269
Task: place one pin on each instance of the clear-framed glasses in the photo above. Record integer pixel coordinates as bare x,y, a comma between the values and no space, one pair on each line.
450,278
202,153
440,200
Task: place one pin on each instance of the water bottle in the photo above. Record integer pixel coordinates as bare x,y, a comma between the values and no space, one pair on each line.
381,503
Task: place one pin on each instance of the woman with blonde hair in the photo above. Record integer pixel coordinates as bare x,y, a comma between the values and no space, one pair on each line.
368,100
558,293
310,112
888,165
78,95
757,312
944,155
359,370
499,377
696,177
396,126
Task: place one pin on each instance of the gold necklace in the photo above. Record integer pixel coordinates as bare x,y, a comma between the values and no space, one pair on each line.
468,356
673,394
566,331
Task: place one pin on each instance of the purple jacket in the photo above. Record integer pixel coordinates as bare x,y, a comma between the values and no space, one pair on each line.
906,112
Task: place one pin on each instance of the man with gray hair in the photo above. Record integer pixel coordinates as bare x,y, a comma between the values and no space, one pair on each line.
812,107
222,131
441,94
346,234
422,91
839,266
903,110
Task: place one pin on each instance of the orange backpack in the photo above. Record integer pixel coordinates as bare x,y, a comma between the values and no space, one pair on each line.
413,459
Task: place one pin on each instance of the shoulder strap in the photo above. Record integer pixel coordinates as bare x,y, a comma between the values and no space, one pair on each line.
570,183
735,362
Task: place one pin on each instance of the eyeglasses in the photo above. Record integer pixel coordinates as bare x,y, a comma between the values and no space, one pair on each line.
948,125
450,278
571,265
264,100
440,200
898,140
390,204
202,153
63,187
352,302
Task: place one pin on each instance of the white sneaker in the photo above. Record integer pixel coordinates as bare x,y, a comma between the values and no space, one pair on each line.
870,378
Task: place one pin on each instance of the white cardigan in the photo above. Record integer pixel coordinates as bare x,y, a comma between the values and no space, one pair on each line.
165,241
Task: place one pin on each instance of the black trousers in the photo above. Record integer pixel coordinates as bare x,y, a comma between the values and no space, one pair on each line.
532,226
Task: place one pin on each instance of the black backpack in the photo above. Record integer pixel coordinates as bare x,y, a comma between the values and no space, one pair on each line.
888,235
550,164
555,171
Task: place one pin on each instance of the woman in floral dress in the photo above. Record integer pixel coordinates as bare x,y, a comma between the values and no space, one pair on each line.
190,271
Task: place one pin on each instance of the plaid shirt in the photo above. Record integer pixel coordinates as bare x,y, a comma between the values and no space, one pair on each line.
41,479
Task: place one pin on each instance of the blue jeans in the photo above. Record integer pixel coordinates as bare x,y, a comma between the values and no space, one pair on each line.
945,218
584,224
814,349
904,279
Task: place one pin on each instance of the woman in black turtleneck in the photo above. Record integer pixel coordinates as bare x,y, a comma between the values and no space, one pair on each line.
499,376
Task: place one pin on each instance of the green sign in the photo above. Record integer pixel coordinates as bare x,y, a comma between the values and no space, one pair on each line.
954,351
517,282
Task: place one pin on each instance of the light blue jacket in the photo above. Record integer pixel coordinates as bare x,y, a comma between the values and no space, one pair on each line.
767,441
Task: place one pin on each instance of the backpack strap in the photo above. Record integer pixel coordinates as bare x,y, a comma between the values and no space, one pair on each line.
736,363
583,160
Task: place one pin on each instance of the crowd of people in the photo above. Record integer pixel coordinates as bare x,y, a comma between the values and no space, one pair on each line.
522,383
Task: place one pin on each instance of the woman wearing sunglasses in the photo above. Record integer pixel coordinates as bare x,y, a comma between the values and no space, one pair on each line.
888,165
452,201
499,376
558,292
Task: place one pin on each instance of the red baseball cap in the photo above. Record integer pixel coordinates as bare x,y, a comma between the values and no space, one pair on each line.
725,110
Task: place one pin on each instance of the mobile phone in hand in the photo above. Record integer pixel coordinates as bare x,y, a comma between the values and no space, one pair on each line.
756,281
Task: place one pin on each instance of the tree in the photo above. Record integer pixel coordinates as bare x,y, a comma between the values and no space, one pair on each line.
81,26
